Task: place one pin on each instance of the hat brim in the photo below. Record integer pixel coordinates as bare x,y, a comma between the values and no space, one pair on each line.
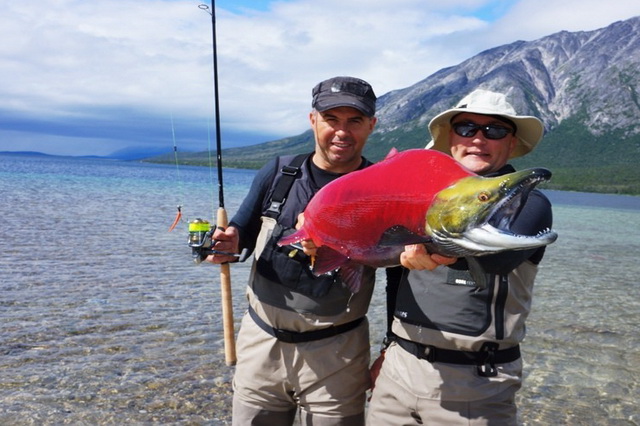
529,130
325,103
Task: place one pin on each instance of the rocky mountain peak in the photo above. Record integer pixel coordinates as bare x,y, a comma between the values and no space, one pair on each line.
592,75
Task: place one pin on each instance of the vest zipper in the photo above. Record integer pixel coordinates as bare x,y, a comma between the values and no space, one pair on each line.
501,301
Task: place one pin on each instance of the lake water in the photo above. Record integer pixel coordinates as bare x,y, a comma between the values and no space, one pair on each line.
104,319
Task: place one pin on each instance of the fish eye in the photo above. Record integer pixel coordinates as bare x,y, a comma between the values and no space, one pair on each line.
483,196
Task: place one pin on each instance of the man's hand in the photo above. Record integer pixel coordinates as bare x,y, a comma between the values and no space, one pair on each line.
415,256
374,370
308,247
226,240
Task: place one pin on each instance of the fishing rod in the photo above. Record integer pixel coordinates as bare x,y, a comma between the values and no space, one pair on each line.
221,218
175,156
216,99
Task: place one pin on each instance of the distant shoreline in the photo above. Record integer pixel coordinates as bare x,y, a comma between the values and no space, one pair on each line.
586,188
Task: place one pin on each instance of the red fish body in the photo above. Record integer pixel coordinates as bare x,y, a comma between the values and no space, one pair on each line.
351,214
416,196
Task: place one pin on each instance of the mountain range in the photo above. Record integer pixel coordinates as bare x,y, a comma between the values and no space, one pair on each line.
583,85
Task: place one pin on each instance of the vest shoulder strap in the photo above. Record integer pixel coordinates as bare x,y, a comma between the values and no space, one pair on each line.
290,172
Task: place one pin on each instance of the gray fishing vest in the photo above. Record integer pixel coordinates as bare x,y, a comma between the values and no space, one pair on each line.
281,276
443,309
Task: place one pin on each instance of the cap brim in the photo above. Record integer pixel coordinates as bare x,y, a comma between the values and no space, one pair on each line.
344,100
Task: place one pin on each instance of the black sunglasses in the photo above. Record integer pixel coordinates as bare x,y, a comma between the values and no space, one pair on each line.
467,129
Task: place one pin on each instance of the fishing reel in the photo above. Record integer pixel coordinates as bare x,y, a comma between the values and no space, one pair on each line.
201,242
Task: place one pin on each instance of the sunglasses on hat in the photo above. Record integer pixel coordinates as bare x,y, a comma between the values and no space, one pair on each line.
467,129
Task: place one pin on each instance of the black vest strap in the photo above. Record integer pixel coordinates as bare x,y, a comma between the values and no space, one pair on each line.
485,359
290,173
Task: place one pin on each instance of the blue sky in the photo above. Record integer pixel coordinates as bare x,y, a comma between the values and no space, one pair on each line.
93,78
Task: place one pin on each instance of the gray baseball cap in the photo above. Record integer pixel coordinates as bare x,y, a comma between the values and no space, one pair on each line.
344,91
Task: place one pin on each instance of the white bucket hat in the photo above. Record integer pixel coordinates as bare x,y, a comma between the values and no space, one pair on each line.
529,129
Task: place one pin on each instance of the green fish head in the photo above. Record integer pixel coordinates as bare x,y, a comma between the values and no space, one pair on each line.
473,216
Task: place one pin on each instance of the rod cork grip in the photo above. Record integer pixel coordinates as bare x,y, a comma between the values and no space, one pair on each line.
227,301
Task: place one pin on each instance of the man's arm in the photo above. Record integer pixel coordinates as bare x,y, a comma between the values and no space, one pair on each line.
244,227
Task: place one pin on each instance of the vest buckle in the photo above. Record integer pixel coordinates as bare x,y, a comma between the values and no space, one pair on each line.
487,366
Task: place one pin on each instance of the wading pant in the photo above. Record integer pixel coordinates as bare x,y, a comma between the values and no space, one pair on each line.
326,380
401,397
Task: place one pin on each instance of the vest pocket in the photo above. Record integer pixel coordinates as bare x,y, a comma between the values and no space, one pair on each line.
290,267
445,300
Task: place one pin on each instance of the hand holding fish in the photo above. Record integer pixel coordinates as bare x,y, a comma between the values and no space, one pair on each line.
308,246
416,256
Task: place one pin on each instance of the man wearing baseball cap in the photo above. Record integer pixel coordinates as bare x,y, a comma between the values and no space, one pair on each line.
304,343
454,356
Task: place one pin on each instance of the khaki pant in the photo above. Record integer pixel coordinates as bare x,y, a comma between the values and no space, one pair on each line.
325,379
401,400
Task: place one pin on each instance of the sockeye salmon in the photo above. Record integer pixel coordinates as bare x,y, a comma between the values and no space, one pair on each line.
366,217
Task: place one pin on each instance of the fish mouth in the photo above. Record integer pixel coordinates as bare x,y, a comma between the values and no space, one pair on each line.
514,194
489,231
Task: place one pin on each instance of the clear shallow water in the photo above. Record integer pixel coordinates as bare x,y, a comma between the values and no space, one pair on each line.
582,351
105,320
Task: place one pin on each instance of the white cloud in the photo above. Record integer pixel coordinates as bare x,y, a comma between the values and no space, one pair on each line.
79,59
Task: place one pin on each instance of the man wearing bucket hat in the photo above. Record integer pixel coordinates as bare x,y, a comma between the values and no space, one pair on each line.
454,358
304,343
503,133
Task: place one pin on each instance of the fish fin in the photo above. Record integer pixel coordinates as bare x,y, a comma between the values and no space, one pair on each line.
477,272
351,275
400,236
296,237
327,260
393,151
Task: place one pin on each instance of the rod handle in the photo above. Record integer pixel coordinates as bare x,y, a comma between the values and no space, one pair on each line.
226,300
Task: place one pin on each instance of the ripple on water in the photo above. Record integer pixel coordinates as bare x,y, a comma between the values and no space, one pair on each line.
107,321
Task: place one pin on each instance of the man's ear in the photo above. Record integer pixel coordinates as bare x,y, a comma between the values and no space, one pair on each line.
514,143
